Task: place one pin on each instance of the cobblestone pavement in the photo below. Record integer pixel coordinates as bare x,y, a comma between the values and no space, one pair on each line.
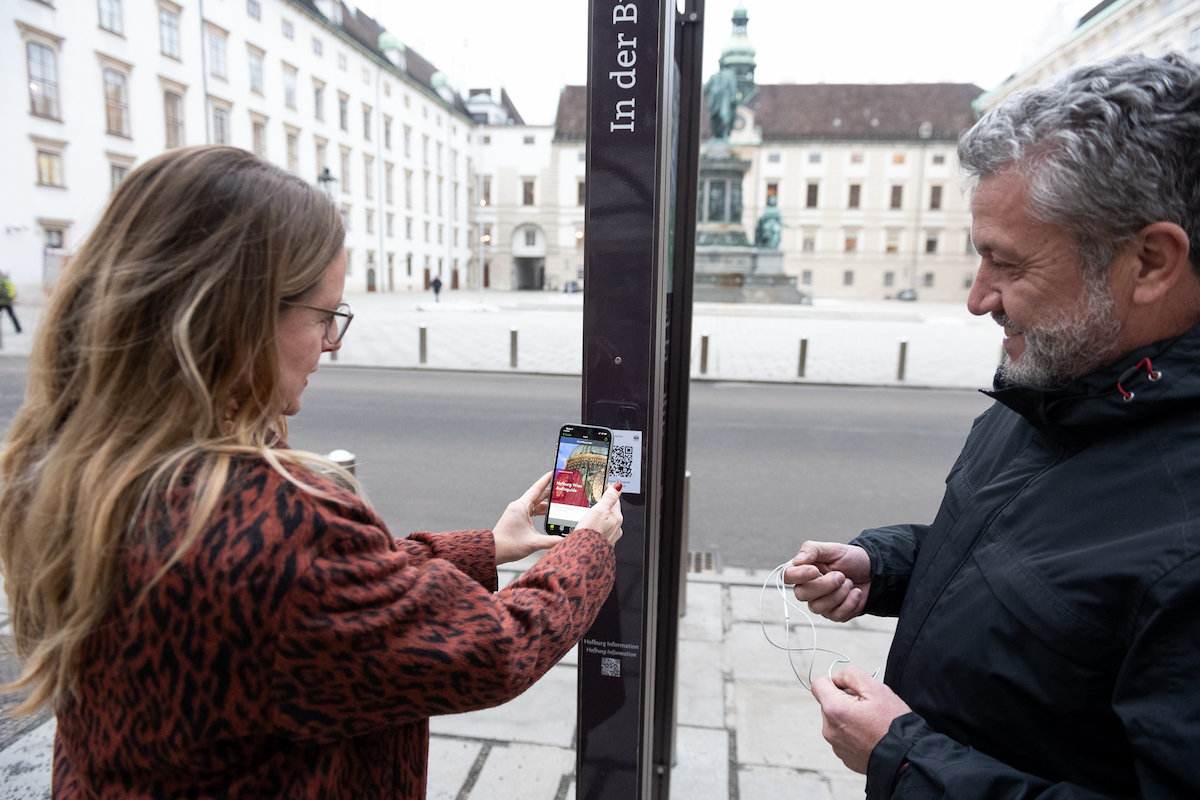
848,342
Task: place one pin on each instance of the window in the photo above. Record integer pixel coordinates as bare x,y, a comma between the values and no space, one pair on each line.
1194,44
408,228
408,188
425,190
487,140
856,158
424,149
220,125
486,198
1168,6
117,172
439,156
366,122
530,237
370,220
897,196
317,47
1139,22
773,158
50,166
319,100
346,209
439,197
441,228
527,193
259,129
289,86
391,224
168,33
427,234
110,15
848,278
772,191
935,198
173,114
851,241
216,53
366,75
408,263
939,159
968,280
289,32
814,158
256,72
54,238
345,169
889,279
806,277
388,169
407,142
487,234
116,102
341,60
855,195
892,241
387,132
320,156
43,80
254,9
343,112
582,193
970,246
293,151
931,242
369,177
810,199
898,158
808,242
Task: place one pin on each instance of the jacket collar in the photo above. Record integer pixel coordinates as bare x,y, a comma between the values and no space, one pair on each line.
1114,396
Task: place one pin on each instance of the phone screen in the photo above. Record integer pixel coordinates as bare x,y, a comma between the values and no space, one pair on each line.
580,475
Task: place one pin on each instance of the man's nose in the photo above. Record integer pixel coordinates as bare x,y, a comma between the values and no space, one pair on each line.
984,297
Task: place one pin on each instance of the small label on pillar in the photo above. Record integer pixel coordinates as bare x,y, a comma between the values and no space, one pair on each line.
625,461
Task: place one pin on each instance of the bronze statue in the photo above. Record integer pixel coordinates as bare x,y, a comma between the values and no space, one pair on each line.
770,227
721,93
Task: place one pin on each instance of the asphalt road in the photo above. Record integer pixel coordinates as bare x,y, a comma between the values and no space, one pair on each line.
772,465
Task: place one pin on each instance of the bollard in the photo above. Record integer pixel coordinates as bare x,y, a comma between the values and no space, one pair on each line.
333,355
704,354
512,348
345,460
903,358
803,358
422,346
1003,355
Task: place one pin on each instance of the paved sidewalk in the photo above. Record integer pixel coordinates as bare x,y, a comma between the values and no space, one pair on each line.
848,342
747,730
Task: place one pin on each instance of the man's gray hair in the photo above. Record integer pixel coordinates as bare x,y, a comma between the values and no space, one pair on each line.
1105,151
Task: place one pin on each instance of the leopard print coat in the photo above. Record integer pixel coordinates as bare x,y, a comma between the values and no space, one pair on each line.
297,650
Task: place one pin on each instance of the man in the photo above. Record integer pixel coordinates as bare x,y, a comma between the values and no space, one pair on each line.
437,288
1048,642
8,296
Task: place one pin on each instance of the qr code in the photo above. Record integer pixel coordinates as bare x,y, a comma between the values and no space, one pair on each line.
610,667
620,463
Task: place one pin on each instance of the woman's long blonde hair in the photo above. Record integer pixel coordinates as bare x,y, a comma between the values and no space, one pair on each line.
156,355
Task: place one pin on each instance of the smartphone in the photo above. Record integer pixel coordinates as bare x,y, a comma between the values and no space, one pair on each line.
580,475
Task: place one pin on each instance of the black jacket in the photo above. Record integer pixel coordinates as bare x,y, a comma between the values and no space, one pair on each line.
1049,632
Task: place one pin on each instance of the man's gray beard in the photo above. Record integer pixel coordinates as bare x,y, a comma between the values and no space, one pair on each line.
1058,351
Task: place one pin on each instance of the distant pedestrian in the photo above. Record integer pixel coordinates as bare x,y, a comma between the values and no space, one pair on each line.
437,289
8,294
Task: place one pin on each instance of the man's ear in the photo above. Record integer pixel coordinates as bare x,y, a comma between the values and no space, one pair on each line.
1160,252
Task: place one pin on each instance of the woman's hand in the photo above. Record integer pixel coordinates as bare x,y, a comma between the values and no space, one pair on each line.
605,517
514,534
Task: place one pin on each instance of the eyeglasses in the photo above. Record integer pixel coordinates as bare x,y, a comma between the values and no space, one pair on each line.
335,324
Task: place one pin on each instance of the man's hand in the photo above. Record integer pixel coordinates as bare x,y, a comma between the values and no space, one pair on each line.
514,534
856,712
832,578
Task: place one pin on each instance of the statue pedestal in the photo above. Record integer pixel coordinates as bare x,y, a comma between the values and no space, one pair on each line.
733,274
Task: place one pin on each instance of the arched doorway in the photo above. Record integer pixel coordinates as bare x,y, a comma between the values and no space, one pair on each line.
529,258
371,279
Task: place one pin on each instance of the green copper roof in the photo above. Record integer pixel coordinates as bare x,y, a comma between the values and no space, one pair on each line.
389,41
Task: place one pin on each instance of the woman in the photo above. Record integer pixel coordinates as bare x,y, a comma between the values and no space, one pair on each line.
208,614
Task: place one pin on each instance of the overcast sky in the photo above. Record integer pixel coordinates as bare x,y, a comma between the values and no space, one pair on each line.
535,47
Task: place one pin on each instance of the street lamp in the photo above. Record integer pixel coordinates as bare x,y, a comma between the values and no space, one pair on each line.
328,182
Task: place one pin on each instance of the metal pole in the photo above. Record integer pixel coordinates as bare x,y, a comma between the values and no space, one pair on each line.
704,354
512,348
422,345
903,359
803,358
